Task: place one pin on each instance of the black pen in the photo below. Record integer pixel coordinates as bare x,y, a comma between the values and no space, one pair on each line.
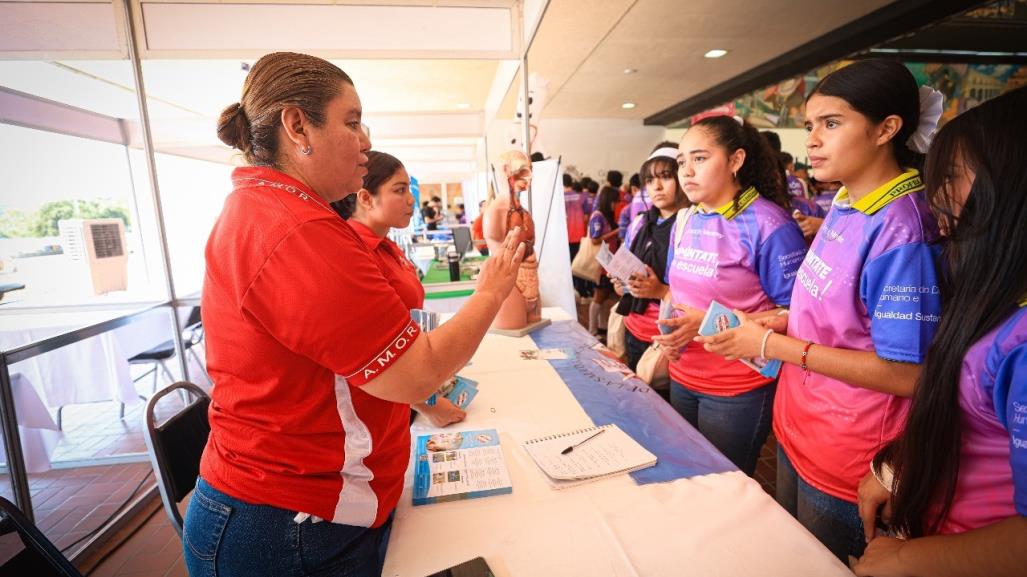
583,441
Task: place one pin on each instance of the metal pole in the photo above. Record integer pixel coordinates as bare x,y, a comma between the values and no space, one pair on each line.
12,442
526,115
151,167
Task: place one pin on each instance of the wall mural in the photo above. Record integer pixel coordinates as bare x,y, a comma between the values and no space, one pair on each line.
964,86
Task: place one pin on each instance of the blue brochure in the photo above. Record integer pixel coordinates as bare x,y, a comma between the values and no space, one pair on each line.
720,318
459,465
460,391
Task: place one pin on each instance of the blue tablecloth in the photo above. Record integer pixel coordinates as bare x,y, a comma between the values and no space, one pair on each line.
626,400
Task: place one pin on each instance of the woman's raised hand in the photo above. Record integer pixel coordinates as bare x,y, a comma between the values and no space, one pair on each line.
498,274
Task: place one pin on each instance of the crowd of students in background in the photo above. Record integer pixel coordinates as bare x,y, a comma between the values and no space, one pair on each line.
896,301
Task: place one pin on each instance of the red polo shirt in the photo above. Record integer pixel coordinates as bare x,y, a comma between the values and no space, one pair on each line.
298,316
400,272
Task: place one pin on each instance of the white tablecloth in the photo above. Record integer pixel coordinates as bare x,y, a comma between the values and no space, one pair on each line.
36,426
95,369
712,525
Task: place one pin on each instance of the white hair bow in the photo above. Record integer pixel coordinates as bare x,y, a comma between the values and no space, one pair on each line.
932,104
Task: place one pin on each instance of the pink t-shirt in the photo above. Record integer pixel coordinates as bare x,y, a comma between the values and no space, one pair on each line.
643,327
868,283
745,260
992,482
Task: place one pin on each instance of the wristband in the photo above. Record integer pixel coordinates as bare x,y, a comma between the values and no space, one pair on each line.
763,345
805,353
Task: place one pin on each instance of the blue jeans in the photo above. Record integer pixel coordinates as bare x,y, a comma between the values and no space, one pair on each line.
737,426
634,348
833,521
225,537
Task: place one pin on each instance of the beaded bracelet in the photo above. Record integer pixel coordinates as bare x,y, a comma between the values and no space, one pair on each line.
763,345
805,353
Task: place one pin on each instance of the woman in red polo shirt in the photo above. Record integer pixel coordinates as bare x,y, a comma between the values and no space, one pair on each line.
385,203
314,356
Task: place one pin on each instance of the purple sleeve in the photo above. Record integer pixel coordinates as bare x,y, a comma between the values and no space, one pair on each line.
901,293
596,225
807,207
778,262
1010,396
624,222
670,257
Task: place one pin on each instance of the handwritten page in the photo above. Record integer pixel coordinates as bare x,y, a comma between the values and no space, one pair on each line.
611,453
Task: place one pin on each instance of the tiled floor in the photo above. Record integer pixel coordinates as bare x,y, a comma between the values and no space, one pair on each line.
153,551
70,504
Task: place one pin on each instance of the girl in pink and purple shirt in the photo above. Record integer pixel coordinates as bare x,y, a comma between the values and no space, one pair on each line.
741,249
865,306
960,466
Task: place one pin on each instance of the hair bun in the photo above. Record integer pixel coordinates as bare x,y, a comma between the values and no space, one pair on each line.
234,127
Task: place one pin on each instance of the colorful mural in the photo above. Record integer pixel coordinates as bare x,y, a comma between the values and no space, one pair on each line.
964,86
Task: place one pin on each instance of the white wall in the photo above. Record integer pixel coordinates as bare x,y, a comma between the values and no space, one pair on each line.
591,145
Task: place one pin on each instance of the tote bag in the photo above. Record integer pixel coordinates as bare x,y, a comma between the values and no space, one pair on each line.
585,265
615,339
654,368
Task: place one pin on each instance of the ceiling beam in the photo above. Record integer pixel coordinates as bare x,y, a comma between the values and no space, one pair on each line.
895,19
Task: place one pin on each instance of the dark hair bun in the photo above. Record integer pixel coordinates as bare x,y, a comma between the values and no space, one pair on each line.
234,127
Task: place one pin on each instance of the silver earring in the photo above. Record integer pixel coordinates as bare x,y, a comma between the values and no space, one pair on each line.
306,151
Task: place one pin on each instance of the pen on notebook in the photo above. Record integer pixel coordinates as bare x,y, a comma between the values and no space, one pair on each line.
583,441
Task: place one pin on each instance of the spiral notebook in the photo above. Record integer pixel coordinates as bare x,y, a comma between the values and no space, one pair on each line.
611,453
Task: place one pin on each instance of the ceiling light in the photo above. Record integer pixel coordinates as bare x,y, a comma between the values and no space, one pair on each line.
463,106
630,71
715,53
628,105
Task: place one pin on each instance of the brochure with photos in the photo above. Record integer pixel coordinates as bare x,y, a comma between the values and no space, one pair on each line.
459,465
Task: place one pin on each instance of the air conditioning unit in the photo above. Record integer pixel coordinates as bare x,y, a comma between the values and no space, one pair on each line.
97,246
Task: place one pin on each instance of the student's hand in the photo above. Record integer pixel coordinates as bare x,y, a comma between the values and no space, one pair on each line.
685,326
741,342
648,286
809,224
618,287
443,413
882,559
777,322
498,274
873,497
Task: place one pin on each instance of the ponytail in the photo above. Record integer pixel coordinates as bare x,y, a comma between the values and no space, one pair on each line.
761,168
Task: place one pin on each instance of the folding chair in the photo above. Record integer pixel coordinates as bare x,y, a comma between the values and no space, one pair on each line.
175,447
39,558
192,335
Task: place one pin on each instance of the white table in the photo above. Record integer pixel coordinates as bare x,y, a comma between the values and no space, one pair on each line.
721,524
91,370
36,427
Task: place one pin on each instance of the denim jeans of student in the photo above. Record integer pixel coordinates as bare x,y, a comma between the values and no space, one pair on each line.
833,521
634,348
225,537
737,426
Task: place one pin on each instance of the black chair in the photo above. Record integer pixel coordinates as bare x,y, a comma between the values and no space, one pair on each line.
192,335
39,558
175,447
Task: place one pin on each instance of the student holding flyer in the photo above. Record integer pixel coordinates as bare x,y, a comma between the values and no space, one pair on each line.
737,247
648,238
866,302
